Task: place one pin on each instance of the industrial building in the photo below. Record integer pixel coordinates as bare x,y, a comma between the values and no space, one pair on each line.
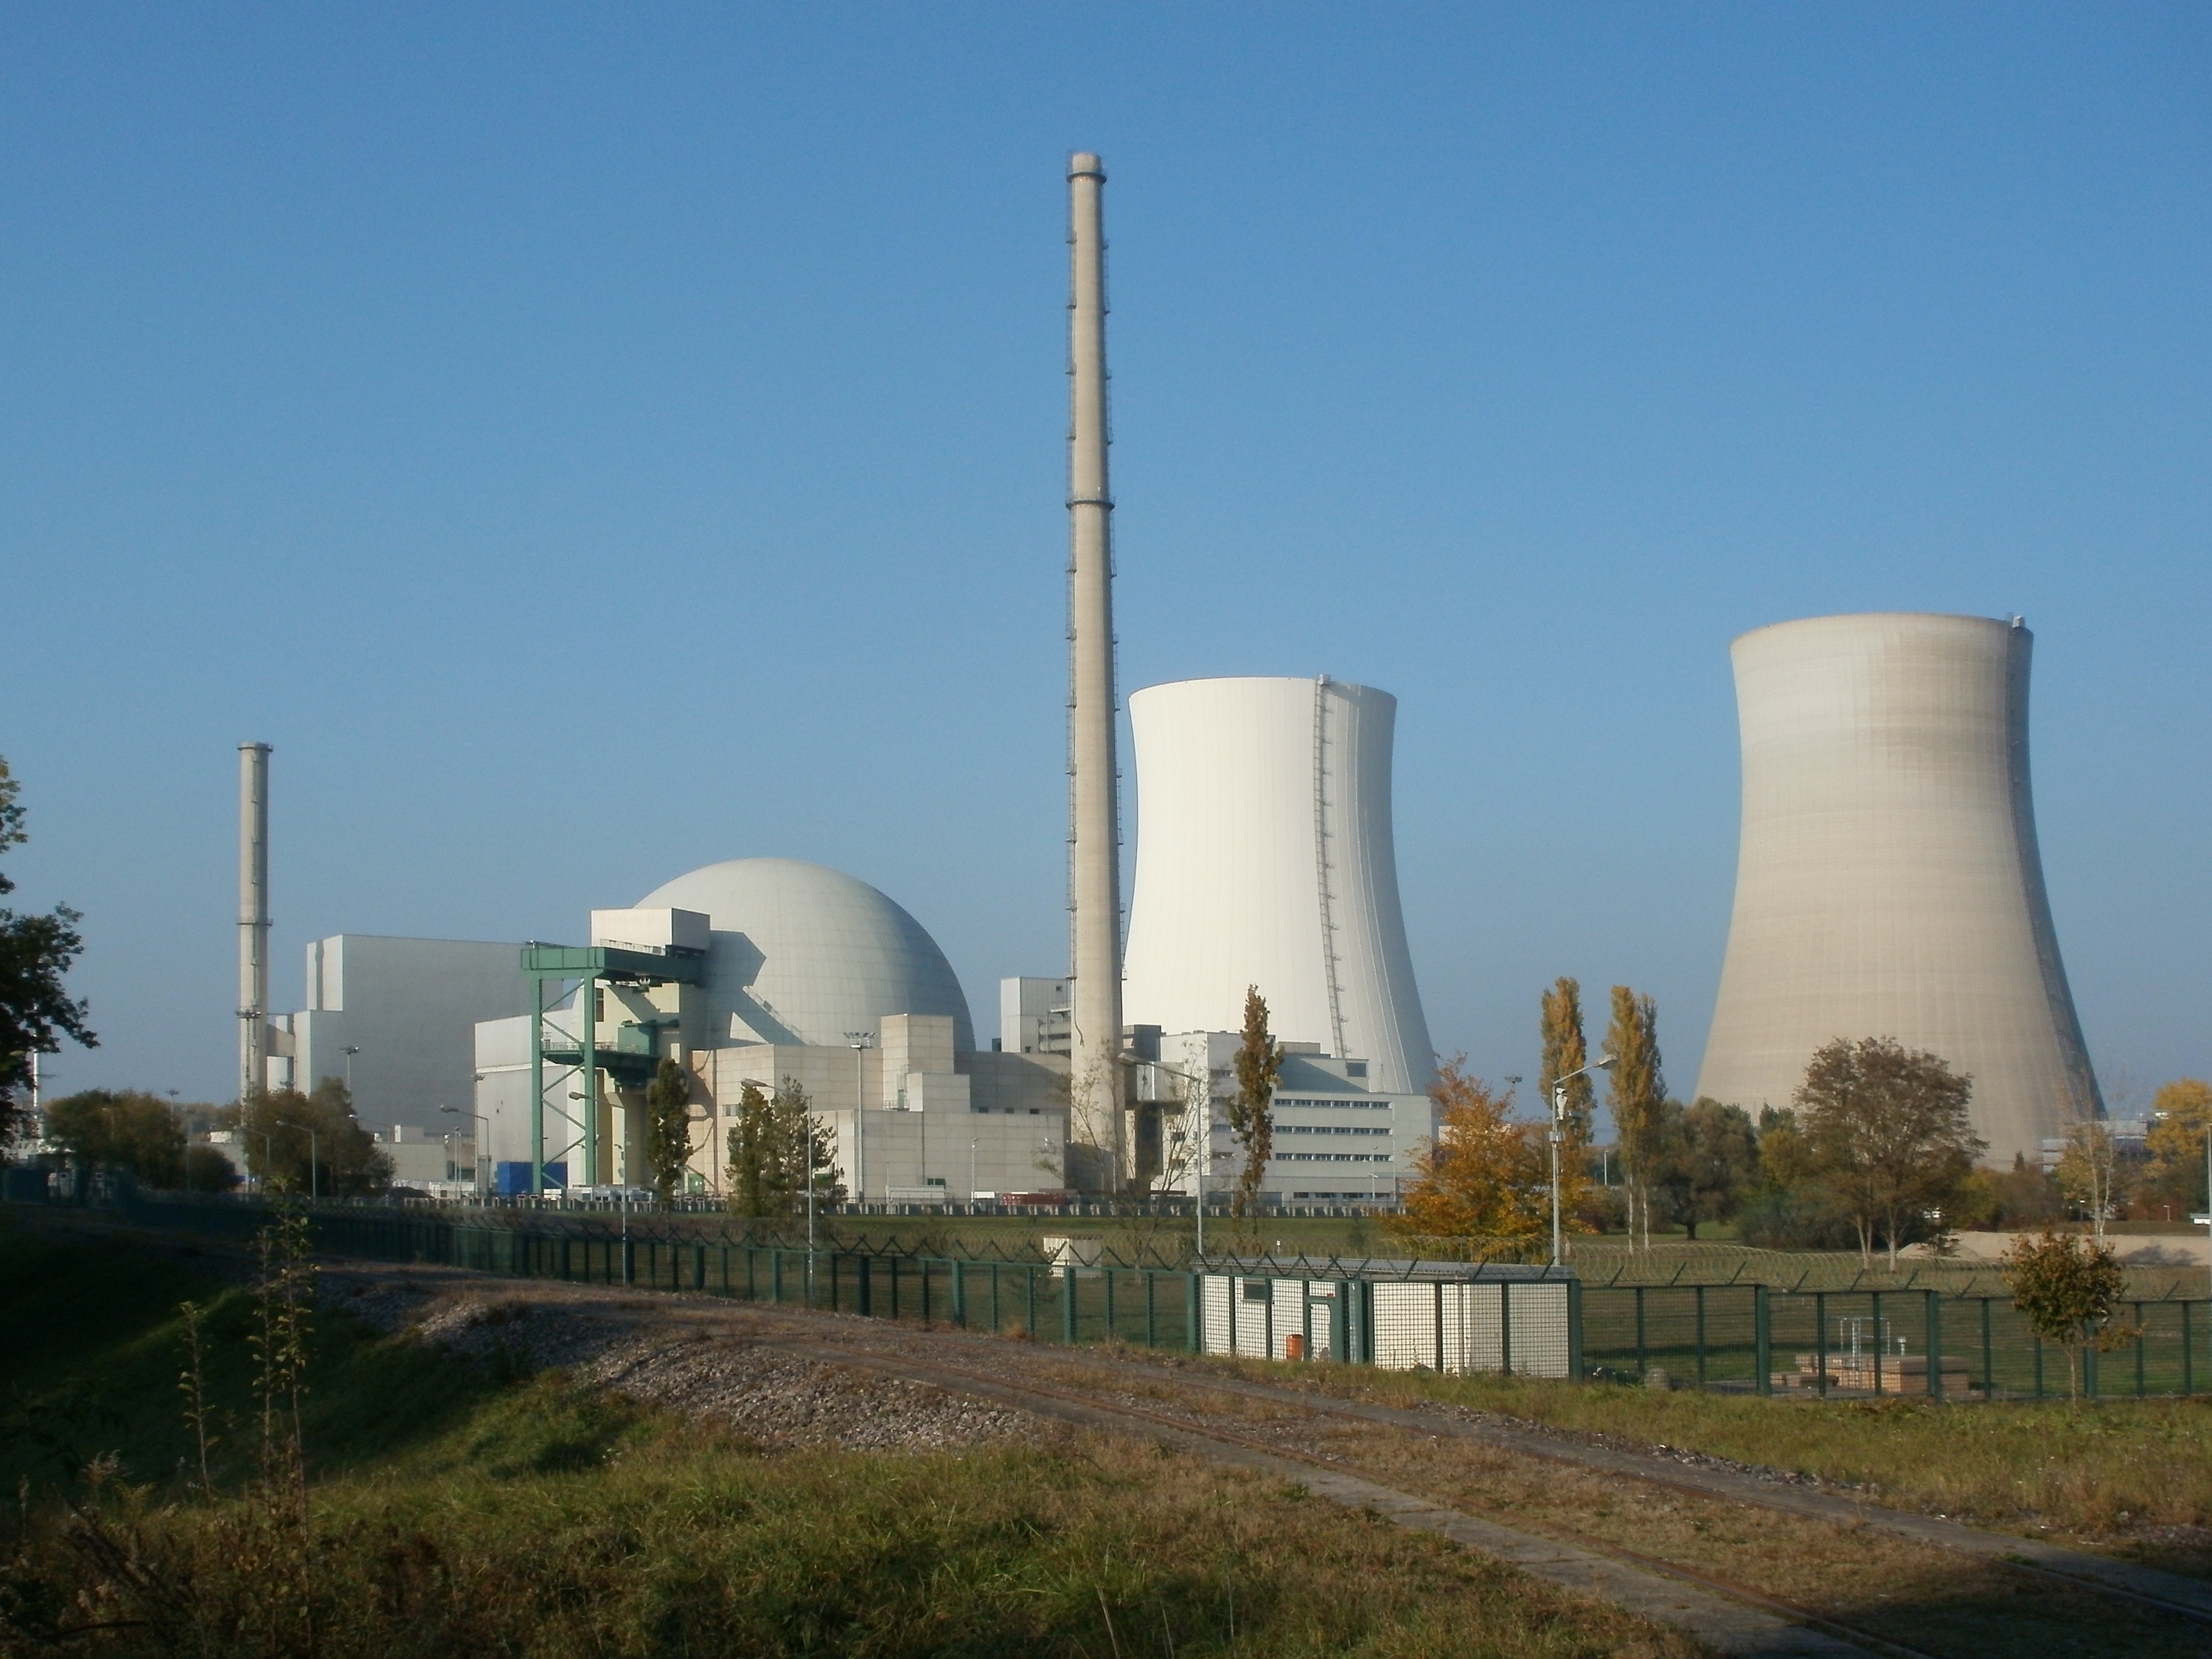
395,1019
1338,1137
1888,882
760,971
1265,857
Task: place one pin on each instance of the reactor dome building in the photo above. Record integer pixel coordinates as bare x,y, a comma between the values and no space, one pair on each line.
800,953
1265,858
1888,882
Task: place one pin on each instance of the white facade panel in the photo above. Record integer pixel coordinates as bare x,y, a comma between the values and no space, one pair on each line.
1888,882
1265,857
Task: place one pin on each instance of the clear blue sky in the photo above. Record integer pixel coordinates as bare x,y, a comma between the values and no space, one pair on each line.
590,441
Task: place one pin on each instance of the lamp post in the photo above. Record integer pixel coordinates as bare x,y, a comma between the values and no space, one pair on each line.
314,1189
1204,1100
1604,1062
859,1042
476,1166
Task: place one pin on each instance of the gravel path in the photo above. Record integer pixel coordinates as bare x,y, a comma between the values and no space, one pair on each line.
630,1345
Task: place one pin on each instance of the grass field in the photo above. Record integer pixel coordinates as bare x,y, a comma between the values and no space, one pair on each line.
454,1511
2133,1476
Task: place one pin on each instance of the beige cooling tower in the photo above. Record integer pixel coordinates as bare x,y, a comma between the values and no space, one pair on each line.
1887,883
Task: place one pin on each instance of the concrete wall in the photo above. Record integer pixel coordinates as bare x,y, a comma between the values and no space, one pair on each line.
1888,882
410,1006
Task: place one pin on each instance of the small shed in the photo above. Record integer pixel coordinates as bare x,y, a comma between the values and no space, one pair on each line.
1402,1316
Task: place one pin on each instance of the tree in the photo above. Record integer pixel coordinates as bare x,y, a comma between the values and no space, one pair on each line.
1483,1176
668,1127
282,1129
1887,1131
36,953
2181,1116
2068,1289
1566,1052
1252,1110
1712,1161
1639,1099
128,1129
775,1147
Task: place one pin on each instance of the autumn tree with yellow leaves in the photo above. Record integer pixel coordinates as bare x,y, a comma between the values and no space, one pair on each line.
1484,1175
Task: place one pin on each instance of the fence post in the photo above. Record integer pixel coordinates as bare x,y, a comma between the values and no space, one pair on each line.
1701,1338
1193,1312
1821,1339
994,1299
1642,1366
1881,1343
1762,1338
2139,1350
775,1277
2187,1376
1505,1327
1152,1308
1028,1293
959,1293
699,1266
1989,1355
1106,1282
866,1310
1575,1327
1067,1318
1439,1288
1934,1349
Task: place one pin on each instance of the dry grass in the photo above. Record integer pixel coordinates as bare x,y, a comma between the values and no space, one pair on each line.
2133,1475
1872,1579
557,1524
458,1511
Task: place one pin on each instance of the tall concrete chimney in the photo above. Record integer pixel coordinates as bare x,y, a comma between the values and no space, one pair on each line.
1096,1156
252,917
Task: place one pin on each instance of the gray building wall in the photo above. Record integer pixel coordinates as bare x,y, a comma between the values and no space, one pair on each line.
1888,882
411,1006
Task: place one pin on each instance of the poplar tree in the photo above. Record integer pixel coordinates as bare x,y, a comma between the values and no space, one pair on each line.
1252,1111
668,1127
1639,1099
1566,1051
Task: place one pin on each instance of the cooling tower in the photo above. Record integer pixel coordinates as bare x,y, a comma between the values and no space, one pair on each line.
1888,881
1265,857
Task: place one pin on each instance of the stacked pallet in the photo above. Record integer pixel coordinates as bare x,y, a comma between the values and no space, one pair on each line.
1897,1373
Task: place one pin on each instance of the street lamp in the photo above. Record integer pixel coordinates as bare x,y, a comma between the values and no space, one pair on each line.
313,1190
1559,1132
1204,1100
475,1168
859,1041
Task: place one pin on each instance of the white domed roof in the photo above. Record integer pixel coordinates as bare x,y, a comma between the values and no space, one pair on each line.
801,953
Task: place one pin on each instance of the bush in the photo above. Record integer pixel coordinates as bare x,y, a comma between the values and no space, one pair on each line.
1795,1218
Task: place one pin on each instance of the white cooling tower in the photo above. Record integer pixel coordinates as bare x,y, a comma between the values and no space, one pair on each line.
1265,857
1888,881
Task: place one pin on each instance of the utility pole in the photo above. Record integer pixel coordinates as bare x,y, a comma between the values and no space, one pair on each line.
1559,1133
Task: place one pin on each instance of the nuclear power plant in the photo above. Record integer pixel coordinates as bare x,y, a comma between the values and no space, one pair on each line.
1887,881
1888,885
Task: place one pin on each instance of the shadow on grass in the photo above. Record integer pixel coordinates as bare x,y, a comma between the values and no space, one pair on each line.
96,1350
